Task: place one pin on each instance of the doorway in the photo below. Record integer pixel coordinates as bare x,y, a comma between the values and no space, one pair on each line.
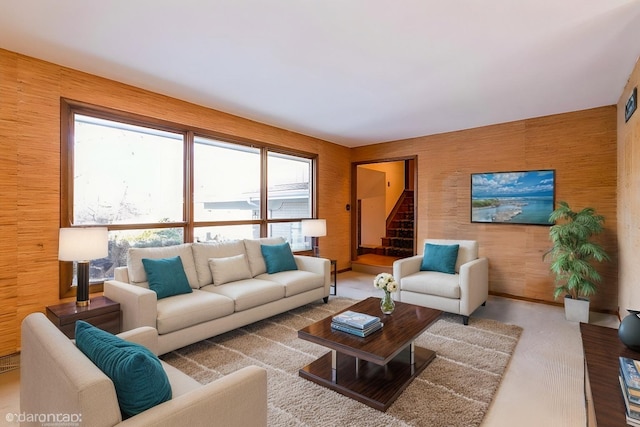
383,219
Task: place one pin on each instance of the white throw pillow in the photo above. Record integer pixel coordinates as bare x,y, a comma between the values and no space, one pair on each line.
230,269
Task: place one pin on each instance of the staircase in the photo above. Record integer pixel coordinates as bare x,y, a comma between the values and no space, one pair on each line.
398,241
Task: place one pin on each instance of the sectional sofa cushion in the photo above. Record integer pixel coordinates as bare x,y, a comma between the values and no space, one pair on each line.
166,276
249,293
137,374
182,311
440,258
229,269
278,258
138,276
202,252
254,253
295,281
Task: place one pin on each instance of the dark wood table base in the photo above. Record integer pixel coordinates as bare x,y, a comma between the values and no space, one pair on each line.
374,385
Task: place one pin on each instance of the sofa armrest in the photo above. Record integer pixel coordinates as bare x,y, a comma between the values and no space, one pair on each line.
406,266
316,265
138,304
57,378
474,285
238,399
145,336
121,274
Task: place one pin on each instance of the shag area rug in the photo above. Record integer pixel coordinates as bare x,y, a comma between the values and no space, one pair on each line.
456,389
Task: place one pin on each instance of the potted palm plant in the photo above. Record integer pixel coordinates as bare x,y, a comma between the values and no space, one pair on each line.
572,255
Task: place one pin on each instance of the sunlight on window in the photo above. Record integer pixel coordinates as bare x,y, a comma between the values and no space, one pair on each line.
126,174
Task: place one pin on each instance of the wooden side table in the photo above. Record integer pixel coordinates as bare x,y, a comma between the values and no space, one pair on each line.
101,312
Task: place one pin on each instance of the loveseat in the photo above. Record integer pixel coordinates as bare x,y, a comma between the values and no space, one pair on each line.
59,385
230,288
456,285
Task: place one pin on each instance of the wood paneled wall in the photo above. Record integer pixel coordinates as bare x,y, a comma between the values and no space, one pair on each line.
30,92
629,200
580,146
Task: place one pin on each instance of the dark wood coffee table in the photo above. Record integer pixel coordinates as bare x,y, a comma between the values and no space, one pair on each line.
374,370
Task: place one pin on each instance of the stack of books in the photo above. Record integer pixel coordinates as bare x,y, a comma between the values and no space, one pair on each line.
359,324
630,385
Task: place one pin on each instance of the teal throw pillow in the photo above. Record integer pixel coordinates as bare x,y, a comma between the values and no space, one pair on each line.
166,276
440,258
137,374
278,258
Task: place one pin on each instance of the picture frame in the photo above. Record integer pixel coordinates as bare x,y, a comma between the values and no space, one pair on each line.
518,197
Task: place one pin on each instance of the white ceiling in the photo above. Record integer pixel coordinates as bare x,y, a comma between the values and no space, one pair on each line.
353,72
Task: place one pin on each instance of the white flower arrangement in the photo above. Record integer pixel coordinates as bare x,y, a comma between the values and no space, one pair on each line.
386,282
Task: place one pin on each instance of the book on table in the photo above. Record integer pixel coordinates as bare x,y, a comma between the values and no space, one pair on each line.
356,331
356,320
630,386
632,409
629,369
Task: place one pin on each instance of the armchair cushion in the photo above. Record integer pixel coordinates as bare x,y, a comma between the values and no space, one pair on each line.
440,258
166,276
137,374
433,283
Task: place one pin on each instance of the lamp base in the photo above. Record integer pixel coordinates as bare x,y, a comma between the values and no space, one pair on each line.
82,288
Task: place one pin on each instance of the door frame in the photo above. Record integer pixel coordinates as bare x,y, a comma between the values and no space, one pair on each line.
354,198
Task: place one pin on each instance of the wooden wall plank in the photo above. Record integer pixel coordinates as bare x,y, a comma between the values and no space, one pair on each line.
580,146
628,199
31,90
8,205
29,184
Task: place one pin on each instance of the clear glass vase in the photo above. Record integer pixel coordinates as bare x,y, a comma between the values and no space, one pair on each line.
387,305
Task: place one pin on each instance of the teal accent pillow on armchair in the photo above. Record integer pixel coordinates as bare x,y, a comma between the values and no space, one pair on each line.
440,258
278,258
166,276
137,374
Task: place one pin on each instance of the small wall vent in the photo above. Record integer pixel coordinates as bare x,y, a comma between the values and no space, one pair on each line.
9,362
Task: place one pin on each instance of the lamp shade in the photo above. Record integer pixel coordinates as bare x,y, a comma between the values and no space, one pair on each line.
83,243
314,227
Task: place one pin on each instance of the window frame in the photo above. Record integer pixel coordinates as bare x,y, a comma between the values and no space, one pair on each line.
68,109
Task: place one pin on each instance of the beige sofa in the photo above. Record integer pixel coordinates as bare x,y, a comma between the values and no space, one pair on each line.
219,302
56,378
459,293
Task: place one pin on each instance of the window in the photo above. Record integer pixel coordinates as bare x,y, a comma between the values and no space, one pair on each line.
154,183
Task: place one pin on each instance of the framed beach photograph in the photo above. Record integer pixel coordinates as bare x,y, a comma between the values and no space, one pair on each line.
525,197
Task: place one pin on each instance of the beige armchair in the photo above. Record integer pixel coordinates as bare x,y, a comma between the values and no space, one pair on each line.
460,293
57,378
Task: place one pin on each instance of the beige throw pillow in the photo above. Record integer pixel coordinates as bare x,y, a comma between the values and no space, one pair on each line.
230,269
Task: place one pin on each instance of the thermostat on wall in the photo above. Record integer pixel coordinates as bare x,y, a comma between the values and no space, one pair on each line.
632,103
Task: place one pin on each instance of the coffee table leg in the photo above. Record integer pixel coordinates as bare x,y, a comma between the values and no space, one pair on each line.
412,349
334,365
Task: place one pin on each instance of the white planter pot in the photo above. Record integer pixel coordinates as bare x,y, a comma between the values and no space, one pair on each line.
576,310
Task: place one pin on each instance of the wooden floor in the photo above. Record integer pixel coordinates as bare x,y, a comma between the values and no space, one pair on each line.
373,264
379,260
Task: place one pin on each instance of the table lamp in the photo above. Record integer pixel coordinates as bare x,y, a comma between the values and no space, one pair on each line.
82,244
314,228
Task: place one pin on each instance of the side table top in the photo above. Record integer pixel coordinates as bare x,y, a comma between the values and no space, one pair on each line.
73,312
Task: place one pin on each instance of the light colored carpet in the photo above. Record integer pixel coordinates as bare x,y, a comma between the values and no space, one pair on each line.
456,389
